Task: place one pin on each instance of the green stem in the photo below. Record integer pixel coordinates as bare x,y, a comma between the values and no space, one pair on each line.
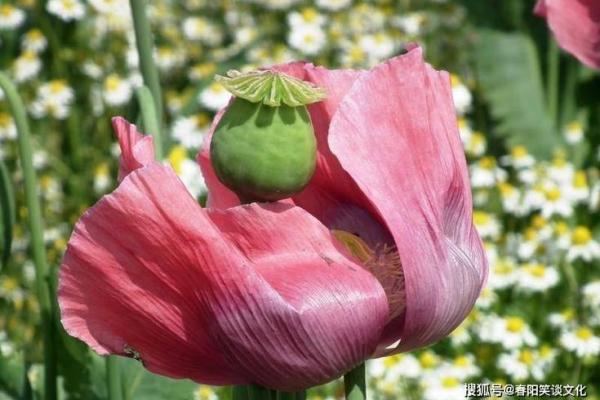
37,234
553,60
355,383
291,395
143,39
113,378
569,93
239,392
150,119
257,392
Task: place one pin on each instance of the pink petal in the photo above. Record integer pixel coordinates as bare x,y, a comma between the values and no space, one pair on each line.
137,149
576,27
402,148
257,293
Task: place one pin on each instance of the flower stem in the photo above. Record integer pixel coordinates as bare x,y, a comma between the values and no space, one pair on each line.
291,395
553,62
143,40
150,119
37,236
239,392
257,392
355,383
113,378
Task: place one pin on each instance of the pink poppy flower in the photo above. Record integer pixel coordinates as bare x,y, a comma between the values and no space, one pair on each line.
265,293
576,26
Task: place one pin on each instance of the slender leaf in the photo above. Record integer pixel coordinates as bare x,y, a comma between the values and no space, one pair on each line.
7,211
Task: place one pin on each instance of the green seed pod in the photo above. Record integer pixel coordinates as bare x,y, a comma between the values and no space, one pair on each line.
264,148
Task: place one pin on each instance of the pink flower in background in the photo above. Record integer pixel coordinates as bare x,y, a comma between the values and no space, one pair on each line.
576,26
270,293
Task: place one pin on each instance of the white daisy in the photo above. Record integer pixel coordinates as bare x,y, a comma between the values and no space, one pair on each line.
187,170
519,158
34,40
583,246
536,277
26,66
308,39
214,97
10,17
333,5
573,133
67,10
116,91
461,95
8,129
581,341
511,332
190,131
502,274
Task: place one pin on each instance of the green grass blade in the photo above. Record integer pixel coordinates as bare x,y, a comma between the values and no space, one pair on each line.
150,119
7,211
37,234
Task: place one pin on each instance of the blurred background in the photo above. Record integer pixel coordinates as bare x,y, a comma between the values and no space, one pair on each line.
528,118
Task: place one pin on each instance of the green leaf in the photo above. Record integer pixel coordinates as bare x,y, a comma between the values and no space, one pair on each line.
12,374
140,384
508,71
7,212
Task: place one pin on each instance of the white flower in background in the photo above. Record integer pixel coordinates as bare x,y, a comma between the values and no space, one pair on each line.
511,332
8,129
579,191
461,95
205,393
395,367
411,24
561,235
67,10
443,384
190,131
6,347
116,91
591,294
168,58
476,144
581,341
518,158
502,274
214,97
465,130
308,39
511,199
562,320
486,299
53,99
556,203
187,170
102,178
486,173
203,30
245,35
574,133
110,6
26,66
11,17
561,171
91,69
461,335
487,224
529,244
378,46
583,246
307,16
525,364
34,40
279,4
536,277
333,5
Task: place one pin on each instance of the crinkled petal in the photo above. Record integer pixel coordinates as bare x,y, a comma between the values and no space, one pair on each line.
396,134
576,26
256,293
136,149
